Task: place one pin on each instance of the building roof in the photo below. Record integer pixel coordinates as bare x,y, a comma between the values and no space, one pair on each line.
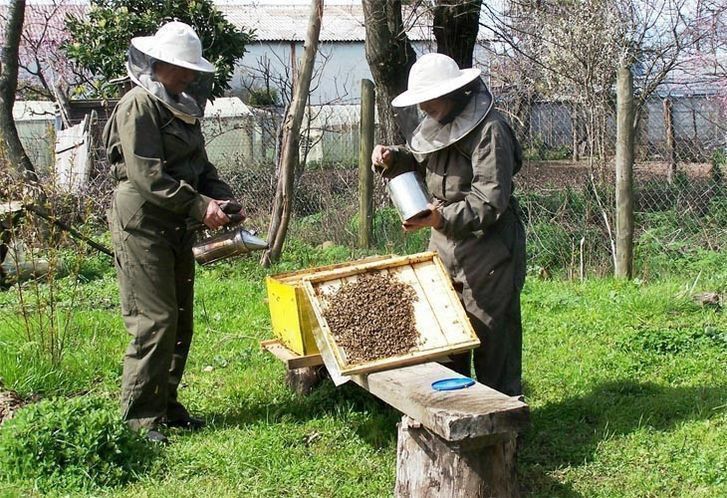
226,107
272,22
340,23
696,75
44,22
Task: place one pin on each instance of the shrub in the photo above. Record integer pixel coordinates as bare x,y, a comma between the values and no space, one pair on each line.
71,443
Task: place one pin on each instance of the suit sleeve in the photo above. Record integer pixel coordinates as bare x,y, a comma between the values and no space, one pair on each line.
210,183
493,164
141,143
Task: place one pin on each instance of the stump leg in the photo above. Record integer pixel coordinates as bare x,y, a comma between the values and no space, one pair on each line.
431,467
303,380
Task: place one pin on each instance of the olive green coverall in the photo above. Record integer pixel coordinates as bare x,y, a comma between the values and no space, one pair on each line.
482,242
164,180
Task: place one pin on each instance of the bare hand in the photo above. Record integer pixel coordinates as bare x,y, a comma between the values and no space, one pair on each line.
215,217
382,157
433,219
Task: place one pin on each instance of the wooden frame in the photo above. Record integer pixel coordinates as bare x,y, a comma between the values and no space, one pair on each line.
442,323
290,358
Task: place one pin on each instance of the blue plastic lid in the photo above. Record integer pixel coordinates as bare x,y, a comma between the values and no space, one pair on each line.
452,384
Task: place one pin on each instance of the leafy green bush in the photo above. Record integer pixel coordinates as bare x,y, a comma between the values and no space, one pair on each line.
99,39
74,443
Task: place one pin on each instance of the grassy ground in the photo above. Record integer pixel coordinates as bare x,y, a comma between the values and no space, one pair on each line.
626,382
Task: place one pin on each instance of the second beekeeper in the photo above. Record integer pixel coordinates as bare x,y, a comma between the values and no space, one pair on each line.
468,154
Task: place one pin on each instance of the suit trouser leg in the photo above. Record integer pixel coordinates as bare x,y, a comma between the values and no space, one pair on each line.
145,267
494,313
184,283
498,362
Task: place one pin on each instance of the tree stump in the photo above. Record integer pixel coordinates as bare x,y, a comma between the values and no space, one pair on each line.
429,466
302,380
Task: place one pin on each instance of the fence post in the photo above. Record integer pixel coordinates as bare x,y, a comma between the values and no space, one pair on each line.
624,170
365,175
670,145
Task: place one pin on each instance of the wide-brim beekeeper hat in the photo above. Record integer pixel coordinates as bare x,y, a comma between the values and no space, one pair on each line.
433,76
175,43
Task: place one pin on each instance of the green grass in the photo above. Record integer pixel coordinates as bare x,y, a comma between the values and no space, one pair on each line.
626,382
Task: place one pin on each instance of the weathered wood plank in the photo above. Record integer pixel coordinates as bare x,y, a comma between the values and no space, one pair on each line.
291,360
473,412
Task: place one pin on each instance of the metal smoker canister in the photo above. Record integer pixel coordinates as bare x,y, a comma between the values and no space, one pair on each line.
233,243
409,195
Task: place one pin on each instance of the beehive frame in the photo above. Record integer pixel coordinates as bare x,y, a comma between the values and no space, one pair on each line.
441,321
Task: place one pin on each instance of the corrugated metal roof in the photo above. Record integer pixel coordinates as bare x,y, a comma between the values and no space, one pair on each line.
342,23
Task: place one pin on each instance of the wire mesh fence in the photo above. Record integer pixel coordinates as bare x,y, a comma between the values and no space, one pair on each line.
566,185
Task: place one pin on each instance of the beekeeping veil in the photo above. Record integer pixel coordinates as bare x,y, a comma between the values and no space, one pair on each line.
175,43
431,77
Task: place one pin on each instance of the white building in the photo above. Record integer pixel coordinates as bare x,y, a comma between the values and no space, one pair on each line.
341,64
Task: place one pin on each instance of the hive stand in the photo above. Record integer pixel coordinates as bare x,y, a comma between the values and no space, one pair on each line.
450,444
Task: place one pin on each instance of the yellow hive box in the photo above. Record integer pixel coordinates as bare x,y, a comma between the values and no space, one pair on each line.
291,313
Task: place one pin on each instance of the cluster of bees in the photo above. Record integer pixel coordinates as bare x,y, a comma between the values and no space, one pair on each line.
372,318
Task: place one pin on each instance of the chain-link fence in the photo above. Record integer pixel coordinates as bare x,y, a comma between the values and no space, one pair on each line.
566,185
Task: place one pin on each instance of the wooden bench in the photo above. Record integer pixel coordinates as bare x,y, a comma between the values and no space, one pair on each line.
451,443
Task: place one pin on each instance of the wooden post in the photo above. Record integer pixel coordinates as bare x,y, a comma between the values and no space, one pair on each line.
302,380
429,466
365,175
624,170
290,140
670,145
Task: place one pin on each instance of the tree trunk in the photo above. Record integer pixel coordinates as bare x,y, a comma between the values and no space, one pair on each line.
456,24
10,145
390,56
624,171
365,175
289,150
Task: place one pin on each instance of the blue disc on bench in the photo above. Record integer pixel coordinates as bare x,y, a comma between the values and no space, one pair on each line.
452,384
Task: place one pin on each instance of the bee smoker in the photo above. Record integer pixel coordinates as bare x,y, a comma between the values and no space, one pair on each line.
235,242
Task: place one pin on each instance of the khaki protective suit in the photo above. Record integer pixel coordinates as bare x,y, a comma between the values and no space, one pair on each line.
482,242
164,178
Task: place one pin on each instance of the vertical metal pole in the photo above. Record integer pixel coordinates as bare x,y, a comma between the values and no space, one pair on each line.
670,144
365,175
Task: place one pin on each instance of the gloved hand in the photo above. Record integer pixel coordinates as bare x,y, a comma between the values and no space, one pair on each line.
233,210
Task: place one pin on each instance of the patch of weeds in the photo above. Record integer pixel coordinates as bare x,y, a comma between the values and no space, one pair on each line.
71,444
673,340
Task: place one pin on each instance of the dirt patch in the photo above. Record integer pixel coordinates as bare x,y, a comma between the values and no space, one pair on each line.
10,402
537,175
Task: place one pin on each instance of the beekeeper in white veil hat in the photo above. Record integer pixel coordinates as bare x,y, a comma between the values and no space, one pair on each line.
468,154
165,185
177,45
